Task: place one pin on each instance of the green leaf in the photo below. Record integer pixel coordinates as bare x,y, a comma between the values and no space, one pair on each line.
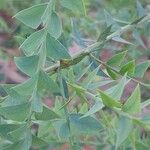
105,33
23,144
128,68
64,132
124,127
84,125
133,104
38,142
91,76
26,88
39,81
6,128
19,133
95,108
32,16
109,101
55,26
17,112
33,42
36,102
141,68
35,87
140,9
112,73
139,39
84,108
45,82
76,6
83,72
47,114
77,88
139,145
28,65
117,59
117,92
55,49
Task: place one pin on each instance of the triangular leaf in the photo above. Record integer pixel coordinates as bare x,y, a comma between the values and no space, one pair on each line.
128,68
133,105
141,68
28,65
17,112
124,127
84,125
33,42
54,47
117,59
76,6
47,114
109,101
32,16
55,26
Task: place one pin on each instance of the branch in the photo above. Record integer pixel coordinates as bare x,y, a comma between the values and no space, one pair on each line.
106,65
65,63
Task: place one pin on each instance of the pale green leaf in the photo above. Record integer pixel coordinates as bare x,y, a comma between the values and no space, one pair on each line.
76,6
47,114
55,49
84,108
141,68
84,125
55,25
117,59
128,68
32,16
133,104
33,42
95,108
118,91
90,77
108,100
28,65
17,112
124,127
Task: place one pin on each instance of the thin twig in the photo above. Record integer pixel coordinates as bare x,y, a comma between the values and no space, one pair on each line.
106,65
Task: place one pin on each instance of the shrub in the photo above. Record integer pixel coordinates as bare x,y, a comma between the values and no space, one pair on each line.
87,93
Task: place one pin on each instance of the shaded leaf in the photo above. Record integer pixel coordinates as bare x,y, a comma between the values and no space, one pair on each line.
47,114
84,125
